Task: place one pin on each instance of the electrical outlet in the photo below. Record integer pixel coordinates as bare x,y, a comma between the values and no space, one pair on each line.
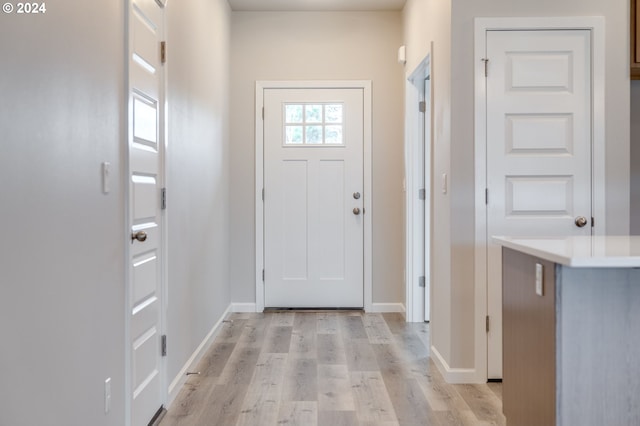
107,395
539,281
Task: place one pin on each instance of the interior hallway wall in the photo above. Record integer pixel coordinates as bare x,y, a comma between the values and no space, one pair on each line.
320,46
425,21
197,174
62,265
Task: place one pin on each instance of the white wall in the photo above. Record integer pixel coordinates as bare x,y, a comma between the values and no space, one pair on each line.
62,263
320,46
426,21
61,239
198,173
453,333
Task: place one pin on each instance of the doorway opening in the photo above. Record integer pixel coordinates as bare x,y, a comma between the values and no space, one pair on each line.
418,154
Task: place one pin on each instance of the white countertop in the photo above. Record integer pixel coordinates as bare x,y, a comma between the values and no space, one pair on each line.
580,252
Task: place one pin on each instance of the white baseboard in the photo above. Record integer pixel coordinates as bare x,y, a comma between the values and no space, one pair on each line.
387,307
181,378
453,375
375,307
243,307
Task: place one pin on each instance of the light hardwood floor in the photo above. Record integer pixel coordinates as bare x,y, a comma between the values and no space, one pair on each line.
327,369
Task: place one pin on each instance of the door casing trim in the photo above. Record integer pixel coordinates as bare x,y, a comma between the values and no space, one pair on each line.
261,86
596,25
418,258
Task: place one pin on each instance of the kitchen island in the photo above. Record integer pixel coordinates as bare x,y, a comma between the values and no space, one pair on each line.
571,331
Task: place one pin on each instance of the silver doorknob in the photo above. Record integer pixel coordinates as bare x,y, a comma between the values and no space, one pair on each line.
140,236
356,211
581,221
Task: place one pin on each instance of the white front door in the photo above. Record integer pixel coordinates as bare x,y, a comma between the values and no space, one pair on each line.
539,142
146,149
313,197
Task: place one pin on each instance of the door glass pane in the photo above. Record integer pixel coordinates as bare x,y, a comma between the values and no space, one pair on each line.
313,124
293,135
313,134
333,113
313,113
333,135
293,113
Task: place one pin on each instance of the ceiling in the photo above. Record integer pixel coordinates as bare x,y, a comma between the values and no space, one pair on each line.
315,5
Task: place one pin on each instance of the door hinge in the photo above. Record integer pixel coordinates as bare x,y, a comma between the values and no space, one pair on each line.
163,344
263,275
422,194
486,62
486,196
163,198
163,52
422,281
487,323
422,106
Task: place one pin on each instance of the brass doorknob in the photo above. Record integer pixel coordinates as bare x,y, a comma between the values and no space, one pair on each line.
140,236
581,221
356,211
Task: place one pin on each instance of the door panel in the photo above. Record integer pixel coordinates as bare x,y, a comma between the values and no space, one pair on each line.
331,220
313,239
538,146
145,215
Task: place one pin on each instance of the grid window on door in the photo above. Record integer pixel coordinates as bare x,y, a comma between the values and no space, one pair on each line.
313,124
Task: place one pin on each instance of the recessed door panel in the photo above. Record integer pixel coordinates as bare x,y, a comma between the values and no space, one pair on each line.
540,71
537,197
539,134
331,220
295,253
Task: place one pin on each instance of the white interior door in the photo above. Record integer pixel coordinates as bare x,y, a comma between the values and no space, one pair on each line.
313,197
146,151
539,141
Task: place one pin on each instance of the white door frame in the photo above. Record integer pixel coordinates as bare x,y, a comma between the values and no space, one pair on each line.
164,243
417,258
597,26
365,85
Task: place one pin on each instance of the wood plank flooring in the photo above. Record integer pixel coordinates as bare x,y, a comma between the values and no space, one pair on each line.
327,369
